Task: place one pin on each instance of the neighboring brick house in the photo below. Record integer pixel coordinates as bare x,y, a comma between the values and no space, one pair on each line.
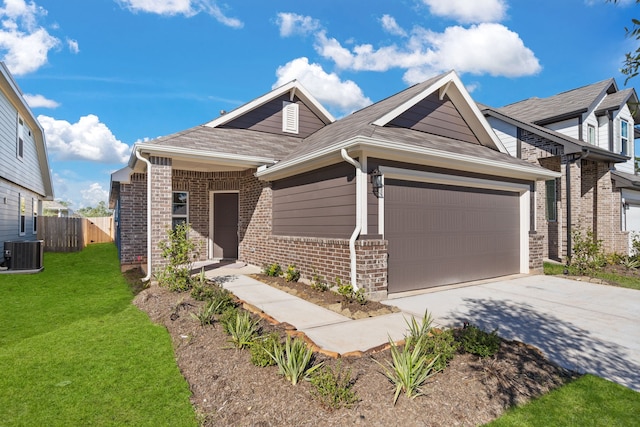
586,134
25,177
412,192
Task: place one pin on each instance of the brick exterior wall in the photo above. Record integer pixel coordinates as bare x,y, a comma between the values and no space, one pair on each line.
595,202
329,258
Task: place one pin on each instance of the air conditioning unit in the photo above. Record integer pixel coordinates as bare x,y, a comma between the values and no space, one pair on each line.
24,255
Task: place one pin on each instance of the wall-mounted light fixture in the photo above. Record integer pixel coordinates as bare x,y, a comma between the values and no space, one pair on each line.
376,183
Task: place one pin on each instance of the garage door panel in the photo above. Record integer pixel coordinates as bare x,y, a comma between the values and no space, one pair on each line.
442,234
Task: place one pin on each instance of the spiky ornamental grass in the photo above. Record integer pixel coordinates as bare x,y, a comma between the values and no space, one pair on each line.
294,360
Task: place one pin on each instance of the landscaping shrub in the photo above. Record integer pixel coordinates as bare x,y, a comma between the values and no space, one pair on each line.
240,327
294,360
476,341
179,250
205,314
272,270
588,255
333,386
318,284
260,348
442,344
292,274
349,294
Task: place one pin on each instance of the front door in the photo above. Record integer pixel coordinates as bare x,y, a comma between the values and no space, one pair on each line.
224,218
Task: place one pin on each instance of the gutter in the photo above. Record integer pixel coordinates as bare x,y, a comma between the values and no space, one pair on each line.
358,227
139,156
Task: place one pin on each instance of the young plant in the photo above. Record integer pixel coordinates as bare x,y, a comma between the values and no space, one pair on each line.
345,290
333,386
476,341
241,328
318,284
418,332
588,255
360,296
260,350
294,360
408,369
292,274
205,314
272,270
442,344
178,251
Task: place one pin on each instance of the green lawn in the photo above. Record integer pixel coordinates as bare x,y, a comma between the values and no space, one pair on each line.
75,351
588,401
619,280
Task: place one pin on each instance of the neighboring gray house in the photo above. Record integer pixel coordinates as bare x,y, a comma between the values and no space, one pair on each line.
412,192
25,178
586,134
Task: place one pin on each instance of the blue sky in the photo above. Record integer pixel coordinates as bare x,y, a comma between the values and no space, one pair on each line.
103,74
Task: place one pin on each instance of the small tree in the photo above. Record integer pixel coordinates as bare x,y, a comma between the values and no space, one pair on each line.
588,254
179,251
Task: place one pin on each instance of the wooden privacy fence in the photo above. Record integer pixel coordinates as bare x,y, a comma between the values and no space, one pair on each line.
73,234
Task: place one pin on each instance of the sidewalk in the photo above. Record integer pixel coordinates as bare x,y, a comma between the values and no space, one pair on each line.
329,330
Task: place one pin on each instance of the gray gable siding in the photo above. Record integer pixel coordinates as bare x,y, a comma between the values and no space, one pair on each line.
438,117
24,172
268,118
316,204
10,214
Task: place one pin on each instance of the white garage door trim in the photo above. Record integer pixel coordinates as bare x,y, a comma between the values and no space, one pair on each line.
462,181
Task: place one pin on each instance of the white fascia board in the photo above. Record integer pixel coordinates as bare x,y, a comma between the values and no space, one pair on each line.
122,176
293,85
201,156
408,153
450,84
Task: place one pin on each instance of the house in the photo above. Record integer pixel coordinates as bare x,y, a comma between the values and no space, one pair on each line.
414,191
54,208
25,177
586,134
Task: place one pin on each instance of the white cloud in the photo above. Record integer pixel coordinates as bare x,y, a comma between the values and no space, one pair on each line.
36,101
24,44
390,25
87,139
72,188
480,49
466,11
345,96
93,195
291,23
187,8
73,46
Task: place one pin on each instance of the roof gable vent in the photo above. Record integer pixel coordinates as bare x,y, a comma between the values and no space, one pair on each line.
290,111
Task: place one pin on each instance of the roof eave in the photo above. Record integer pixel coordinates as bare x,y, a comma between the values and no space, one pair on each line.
404,152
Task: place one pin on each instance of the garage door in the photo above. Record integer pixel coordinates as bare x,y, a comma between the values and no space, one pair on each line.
633,222
442,234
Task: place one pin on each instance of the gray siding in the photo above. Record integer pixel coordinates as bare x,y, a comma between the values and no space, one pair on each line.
10,214
268,118
431,115
316,204
26,171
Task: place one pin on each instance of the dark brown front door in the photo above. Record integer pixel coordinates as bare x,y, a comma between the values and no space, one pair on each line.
442,234
225,225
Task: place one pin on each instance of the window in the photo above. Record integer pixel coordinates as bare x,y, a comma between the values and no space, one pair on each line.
551,202
20,141
23,215
35,215
179,208
591,134
624,137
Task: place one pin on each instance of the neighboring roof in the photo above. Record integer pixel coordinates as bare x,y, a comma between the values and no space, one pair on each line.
571,145
11,90
567,104
625,180
52,205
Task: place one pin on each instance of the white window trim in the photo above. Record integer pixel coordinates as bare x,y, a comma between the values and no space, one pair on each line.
591,130
622,151
173,216
34,216
22,202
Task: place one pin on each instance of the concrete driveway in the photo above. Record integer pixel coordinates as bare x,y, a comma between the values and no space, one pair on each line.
581,326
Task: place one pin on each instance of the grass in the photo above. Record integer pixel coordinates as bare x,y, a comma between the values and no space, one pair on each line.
617,279
588,401
75,351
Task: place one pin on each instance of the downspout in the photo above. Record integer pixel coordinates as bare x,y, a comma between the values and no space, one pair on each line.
358,227
583,155
139,156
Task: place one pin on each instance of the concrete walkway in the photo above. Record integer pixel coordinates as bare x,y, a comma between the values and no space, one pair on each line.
581,326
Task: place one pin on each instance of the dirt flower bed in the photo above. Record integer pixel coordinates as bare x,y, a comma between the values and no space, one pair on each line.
327,299
227,389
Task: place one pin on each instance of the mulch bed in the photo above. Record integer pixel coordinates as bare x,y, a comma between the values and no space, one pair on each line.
228,390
